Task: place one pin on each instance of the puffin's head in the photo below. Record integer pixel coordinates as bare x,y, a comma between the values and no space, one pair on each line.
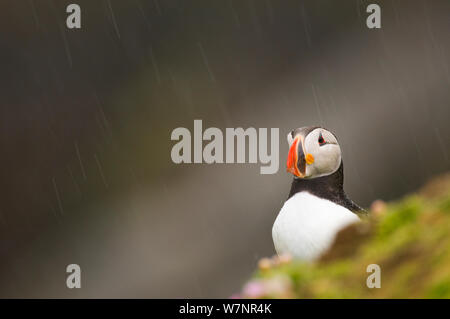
313,152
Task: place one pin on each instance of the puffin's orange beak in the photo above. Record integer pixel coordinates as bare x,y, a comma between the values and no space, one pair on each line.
297,161
292,159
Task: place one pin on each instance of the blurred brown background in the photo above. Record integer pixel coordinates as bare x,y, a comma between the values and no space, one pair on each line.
86,117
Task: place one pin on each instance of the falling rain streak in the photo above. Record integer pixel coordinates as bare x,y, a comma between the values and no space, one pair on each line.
33,8
80,161
205,60
61,210
100,169
113,18
66,44
155,65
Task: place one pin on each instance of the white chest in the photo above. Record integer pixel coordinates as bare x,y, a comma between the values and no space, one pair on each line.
307,225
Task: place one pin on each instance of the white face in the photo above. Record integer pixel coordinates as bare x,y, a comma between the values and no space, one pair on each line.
318,154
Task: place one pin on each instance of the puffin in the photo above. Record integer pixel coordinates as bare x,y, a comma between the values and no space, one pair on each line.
317,207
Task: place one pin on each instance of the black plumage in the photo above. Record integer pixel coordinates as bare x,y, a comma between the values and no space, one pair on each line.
329,187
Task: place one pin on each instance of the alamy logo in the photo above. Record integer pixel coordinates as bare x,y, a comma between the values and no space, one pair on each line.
235,140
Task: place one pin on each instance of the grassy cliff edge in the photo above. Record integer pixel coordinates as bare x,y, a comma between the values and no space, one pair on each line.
409,239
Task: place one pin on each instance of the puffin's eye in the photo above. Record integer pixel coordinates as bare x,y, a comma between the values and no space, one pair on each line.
321,140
